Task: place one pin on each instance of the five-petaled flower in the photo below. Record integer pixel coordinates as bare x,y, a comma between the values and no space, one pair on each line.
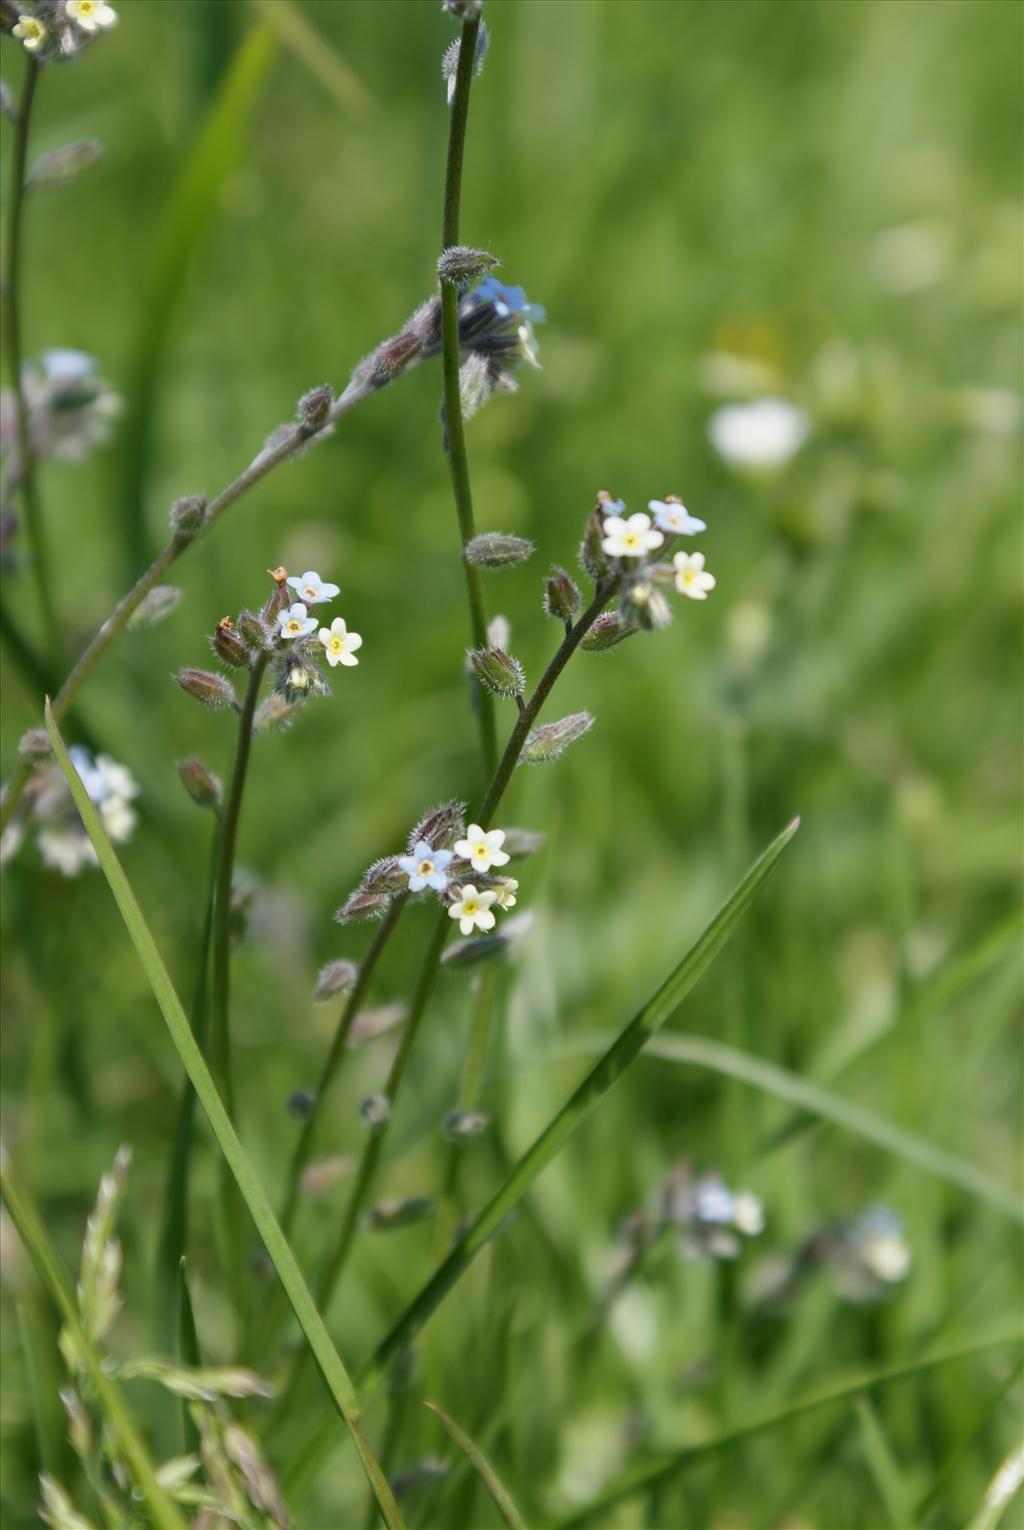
340,644
482,848
509,302
473,910
630,538
505,892
296,621
672,516
426,867
30,33
91,14
691,579
312,589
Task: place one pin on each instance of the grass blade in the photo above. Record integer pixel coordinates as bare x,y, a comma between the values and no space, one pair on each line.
659,1471
188,1351
1000,1493
328,1361
488,1476
979,1422
33,1234
814,1100
605,1072
882,1464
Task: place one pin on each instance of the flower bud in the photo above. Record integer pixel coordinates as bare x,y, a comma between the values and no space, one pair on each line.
361,905
335,977
159,602
315,406
300,677
520,842
227,645
375,1111
254,632
497,549
391,1214
279,599
607,631
561,596
645,606
201,784
463,954
35,744
499,631
552,739
62,165
384,875
211,690
461,265
188,516
498,671
301,1104
371,1023
273,712
393,357
592,556
440,826
464,1125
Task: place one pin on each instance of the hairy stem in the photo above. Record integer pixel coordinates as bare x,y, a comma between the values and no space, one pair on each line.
35,533
458,461
289,443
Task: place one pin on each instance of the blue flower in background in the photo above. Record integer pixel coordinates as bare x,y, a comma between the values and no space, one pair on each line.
508,302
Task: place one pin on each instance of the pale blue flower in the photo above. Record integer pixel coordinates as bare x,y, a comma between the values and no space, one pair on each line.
426,867
673,517
508,302
311,589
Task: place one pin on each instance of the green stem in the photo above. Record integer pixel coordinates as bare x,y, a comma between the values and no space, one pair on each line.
458,461
398,1403
33,1234
35,532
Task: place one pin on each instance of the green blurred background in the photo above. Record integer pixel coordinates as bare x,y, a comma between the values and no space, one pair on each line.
813,200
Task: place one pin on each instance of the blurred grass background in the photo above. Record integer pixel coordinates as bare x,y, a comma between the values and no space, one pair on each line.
818,200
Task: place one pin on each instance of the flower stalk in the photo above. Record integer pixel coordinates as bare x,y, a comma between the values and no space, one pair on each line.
35,531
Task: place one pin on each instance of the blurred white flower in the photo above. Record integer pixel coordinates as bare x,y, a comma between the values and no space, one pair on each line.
296,621
765,433
312,589
672,515
67,850
482,848
473,910
505,892
691,578
30,33
91,15
70,408
630,538
339,643
748,1214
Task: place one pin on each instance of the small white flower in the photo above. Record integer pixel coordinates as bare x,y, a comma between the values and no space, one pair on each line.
886,1255
762,434
691,579
714,1202
482,848
473,910
31,34
119,819
674,517
312,589
68,850
505,892
117,780
630,538
296,621
63,365
340,644
748,1214
91,14
426,867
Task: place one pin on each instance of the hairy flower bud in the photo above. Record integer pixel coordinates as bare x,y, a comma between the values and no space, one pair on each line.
391,1214
450,61
300,1104
498,671
464,1125
299,678
188,516
211,690
254,632
471,952
201,784
461,265
497,549
375,1111
227,644
520,842
315,406
362,905
371,1023
561,596
278,599
607,631
644,605
61,165
592,556
440,827
273,712
335,977
551,740
159,602
35,744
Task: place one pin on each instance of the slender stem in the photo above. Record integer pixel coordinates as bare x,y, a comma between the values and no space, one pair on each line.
458,461
351,1007
34,530
469,1095
398,1403
220,1037
296,437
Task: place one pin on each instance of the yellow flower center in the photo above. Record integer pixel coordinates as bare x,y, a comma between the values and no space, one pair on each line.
335,644
480,850
426,867
689,575
86,7
294,626
631,541
310,590
470,906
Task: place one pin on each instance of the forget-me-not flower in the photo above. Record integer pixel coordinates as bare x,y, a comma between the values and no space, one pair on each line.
426,867
630,538
482,848
339,643
296,621
672,516
473,910
312,589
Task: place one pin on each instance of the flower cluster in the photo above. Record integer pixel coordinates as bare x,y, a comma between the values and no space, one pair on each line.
70,408
633,548
709,1215
61,838
60,28
869,1255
